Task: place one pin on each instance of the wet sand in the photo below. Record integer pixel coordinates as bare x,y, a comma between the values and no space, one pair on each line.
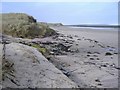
96,63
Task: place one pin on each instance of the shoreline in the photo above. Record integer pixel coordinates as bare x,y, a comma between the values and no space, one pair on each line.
97,28
88,59
102,35
93,64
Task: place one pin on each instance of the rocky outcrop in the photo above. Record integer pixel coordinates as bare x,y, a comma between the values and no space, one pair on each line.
32,69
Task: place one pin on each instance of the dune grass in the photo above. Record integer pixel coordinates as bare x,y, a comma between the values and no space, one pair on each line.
24,26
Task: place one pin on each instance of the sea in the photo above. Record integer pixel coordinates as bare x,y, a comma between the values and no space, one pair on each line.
98,28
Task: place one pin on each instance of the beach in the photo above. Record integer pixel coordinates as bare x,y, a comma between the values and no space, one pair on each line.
83,58
65,45
93,61
108,36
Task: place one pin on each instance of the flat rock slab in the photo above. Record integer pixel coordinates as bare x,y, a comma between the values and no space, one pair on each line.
33,70
87,73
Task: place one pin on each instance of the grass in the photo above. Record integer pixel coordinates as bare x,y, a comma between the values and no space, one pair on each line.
43,50
24,26
45,30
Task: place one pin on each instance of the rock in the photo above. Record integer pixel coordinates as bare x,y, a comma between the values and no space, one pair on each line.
91,58
77,44
108,46
117,68
88,55
99,84
55,36
63,47
56,51
66,41
108,53
101,46
95,55
76,35
9,39
111,57
98,58
97,52
69,36
91,46
104,65
115,53
67,74
96,41
33,70
60,38
47,42
89,52
52,53
73,50
78,39
89,40
97,80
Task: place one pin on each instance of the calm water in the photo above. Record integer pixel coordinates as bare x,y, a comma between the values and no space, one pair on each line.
97,28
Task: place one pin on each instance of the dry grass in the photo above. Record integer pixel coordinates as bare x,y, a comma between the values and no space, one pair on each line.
24,26
7,69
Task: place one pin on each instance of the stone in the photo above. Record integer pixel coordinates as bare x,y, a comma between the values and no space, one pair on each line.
97,80
33,70
108,53
91,58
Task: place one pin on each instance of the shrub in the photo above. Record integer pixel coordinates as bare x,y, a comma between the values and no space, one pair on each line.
24,26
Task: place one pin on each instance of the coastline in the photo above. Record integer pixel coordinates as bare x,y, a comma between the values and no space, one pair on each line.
86,58
94,63
103,35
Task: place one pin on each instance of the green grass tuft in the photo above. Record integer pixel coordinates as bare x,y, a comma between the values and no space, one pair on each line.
43,50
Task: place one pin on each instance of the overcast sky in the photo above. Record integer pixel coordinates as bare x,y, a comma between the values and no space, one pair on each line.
66,12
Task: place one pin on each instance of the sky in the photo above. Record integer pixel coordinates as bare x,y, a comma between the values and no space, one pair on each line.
67,12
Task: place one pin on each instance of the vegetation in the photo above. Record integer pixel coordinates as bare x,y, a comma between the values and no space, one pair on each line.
24,26
45,30
41,49
55,24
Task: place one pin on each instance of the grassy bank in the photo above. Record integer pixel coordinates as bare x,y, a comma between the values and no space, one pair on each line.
24,26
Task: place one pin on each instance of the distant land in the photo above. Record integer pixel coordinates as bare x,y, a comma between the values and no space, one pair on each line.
105,26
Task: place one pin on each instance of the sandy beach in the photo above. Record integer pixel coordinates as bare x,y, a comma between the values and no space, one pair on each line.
85,58
41,55
65,44
95,60
108,36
